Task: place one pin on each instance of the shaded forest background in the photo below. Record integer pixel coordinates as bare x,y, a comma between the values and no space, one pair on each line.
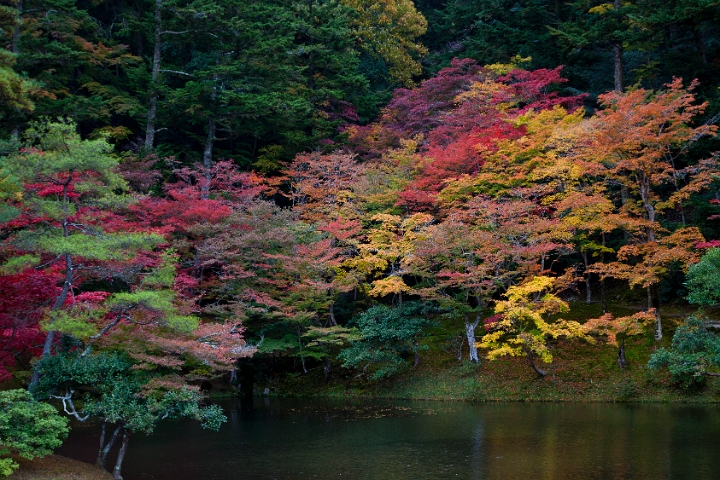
273,78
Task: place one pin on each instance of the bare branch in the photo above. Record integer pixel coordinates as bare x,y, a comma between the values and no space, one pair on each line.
177,72
48,263
68,405
102,332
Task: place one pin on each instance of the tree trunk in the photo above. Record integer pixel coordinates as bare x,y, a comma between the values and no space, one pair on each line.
247,381
416,361
649,208
588,279
326,368
17,30
470,334
624,194
207,159
700,44
59,302
618,57
331,315
621,355
658,320
152,109
98,461
121,455
234,380
105,449
603,298
302,357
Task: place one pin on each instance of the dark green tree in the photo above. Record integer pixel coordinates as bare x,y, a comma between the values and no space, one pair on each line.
123,397
14,89
386,336
84,72
693,356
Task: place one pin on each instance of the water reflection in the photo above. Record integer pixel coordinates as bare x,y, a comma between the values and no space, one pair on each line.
286,439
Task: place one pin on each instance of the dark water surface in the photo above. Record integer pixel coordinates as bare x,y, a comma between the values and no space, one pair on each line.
293,439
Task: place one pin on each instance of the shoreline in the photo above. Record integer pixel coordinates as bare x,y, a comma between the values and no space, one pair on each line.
580,373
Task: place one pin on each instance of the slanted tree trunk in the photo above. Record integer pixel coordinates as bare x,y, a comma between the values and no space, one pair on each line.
470,334
621,355
152,109
531,358
67,284
121,454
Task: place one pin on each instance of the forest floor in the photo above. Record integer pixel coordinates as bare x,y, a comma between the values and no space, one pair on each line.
580,371
55,467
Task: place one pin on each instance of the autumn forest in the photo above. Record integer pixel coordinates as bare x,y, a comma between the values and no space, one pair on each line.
325,195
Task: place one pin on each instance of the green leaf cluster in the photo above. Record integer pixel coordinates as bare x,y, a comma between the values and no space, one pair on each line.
703,280
118,393
28,428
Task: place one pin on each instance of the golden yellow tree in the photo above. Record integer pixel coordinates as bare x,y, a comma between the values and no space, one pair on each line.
388,29
524,325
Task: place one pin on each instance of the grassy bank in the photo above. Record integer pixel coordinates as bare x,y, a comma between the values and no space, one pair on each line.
579,372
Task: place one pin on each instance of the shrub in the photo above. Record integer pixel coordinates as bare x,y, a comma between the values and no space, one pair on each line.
28,428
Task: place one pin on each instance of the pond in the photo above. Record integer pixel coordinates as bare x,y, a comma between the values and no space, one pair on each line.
322,439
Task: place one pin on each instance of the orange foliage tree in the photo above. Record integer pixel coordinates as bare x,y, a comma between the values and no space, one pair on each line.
638,139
